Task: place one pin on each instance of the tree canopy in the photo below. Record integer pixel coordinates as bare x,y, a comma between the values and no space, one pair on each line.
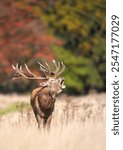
69,30
81,25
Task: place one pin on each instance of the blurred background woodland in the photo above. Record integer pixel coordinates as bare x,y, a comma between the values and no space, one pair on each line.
72,31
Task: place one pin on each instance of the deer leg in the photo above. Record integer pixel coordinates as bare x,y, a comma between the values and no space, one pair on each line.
37,112
38,119
49,122
44,122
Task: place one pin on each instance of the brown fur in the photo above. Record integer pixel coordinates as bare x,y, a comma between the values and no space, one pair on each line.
42,103
43,98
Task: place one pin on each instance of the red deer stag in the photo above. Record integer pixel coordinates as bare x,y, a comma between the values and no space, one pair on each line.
43,98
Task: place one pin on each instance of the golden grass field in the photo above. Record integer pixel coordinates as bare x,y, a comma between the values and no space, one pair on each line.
78,123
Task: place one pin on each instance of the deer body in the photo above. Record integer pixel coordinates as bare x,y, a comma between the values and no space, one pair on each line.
42,104
43,98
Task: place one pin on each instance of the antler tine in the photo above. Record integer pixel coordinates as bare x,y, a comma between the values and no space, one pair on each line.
16,66
13,67
54,63
33,75
42,67
29,71
44,72
57,67
45,69
21,68
60,64
19,71
21,74
63,68
48,67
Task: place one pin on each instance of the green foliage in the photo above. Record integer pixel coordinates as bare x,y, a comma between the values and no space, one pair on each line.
81,24
13,108
81,74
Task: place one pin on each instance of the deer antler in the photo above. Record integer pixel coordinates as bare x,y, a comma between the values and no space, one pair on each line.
20,73
44,68
57,72
47,71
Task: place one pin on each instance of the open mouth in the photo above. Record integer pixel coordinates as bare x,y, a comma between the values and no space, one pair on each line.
62,81
62,84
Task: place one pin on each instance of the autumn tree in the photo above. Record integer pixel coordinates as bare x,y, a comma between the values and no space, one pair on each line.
81,24
23,39
70,30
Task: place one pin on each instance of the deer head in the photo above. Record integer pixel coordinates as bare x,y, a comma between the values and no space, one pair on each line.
49,78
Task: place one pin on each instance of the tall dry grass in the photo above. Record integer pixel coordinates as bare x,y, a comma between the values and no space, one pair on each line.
78,123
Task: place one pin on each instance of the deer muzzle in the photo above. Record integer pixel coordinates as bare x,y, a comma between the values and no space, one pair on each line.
62,83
